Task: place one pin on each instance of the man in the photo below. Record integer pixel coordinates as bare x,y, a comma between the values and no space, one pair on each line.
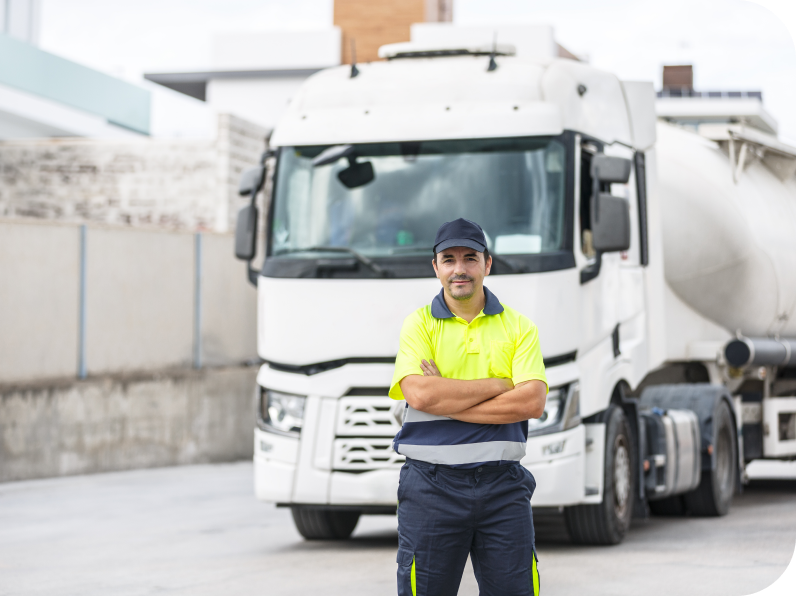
472,375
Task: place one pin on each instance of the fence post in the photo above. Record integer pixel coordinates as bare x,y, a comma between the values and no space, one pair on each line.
197,302
81,324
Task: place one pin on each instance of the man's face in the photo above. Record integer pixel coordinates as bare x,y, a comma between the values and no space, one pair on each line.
461,271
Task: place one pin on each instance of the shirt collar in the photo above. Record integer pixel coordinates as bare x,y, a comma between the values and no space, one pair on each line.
440,310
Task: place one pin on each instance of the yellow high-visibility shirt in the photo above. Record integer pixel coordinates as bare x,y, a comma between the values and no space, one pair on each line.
499,342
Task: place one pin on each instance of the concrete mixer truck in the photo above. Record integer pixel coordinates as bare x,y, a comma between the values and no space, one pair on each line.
658,263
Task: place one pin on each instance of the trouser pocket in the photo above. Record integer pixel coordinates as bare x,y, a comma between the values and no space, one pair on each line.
534,574
407,580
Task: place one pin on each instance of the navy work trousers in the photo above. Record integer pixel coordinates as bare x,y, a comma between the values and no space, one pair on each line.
445,514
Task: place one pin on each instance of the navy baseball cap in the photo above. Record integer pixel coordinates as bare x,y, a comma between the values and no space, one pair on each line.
460,232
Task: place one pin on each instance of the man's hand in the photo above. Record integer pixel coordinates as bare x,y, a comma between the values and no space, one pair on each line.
429,368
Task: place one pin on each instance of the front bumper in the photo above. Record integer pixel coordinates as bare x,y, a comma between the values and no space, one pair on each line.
556,461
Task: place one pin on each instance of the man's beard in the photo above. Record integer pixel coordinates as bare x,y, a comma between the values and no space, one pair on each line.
457,292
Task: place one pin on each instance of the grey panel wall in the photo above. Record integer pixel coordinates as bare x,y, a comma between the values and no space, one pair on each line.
39,273
139,300
229,305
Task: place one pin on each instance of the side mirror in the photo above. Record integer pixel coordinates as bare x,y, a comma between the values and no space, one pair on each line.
610,226
251,181
357,174
610,169
246,233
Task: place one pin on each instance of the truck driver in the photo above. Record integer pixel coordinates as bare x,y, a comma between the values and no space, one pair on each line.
471,372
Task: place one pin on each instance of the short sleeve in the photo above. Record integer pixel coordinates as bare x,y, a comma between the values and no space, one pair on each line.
528,364
415,345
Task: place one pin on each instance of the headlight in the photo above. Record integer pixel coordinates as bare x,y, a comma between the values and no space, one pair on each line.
282,411
561,411
552,412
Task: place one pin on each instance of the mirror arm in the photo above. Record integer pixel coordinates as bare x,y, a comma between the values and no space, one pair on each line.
593,270
251,273
266,154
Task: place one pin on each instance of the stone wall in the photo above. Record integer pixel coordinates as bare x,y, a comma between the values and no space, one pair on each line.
143,404
126,422
168,184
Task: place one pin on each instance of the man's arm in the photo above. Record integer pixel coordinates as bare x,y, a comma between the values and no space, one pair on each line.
525,401
434,394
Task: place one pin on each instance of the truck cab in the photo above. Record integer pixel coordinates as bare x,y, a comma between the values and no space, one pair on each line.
557,162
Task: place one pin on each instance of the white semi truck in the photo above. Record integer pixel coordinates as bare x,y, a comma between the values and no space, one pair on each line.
659,265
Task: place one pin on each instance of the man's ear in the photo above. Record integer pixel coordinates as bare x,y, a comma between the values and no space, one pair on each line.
488,266
434,264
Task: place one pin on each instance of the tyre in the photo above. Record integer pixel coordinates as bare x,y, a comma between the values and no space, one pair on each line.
324,524
714,493
608,522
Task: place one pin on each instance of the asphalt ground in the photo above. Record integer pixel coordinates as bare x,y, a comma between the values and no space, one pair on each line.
198,530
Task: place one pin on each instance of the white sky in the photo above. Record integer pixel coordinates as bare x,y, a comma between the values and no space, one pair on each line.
733,44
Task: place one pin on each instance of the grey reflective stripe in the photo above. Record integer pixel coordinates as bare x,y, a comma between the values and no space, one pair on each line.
413,415
468,453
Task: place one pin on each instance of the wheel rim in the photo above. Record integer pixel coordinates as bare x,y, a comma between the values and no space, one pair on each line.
621,476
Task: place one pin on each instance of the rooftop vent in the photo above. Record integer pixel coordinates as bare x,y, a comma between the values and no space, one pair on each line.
415,50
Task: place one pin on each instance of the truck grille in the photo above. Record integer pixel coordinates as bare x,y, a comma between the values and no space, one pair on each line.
365,430
365,454
366,417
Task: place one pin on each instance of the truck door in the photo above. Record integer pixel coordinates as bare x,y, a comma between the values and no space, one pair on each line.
612,293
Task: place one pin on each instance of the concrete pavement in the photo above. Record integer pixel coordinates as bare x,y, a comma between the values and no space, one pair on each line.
198,530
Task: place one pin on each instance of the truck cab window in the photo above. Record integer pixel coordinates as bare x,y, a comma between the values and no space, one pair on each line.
515,188
586,153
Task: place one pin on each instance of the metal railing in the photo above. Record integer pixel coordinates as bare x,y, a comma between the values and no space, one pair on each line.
691,93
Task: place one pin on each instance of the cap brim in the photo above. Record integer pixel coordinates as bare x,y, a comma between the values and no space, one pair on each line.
464,242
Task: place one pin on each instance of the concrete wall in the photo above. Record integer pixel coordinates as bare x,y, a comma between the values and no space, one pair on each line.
165,184
140,301
118,423
163,294
229,306
39,272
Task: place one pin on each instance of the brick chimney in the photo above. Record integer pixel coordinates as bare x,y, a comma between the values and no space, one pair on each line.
374,23
678,77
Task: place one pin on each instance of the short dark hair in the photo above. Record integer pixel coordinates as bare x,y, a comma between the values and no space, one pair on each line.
486,255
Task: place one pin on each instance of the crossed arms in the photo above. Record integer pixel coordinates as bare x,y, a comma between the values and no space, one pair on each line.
482,401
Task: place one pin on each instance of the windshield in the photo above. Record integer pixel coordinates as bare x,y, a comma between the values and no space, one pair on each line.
514,188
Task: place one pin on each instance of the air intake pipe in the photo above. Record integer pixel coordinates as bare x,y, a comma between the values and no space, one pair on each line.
745,351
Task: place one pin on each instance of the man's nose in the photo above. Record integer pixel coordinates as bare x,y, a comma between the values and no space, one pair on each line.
459,267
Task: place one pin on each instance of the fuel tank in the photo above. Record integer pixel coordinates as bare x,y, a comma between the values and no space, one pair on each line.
729,245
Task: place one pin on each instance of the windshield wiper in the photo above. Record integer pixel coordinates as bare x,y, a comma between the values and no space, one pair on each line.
380,271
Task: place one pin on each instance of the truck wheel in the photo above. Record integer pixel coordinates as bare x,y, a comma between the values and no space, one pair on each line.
714,493
324,524
607,522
